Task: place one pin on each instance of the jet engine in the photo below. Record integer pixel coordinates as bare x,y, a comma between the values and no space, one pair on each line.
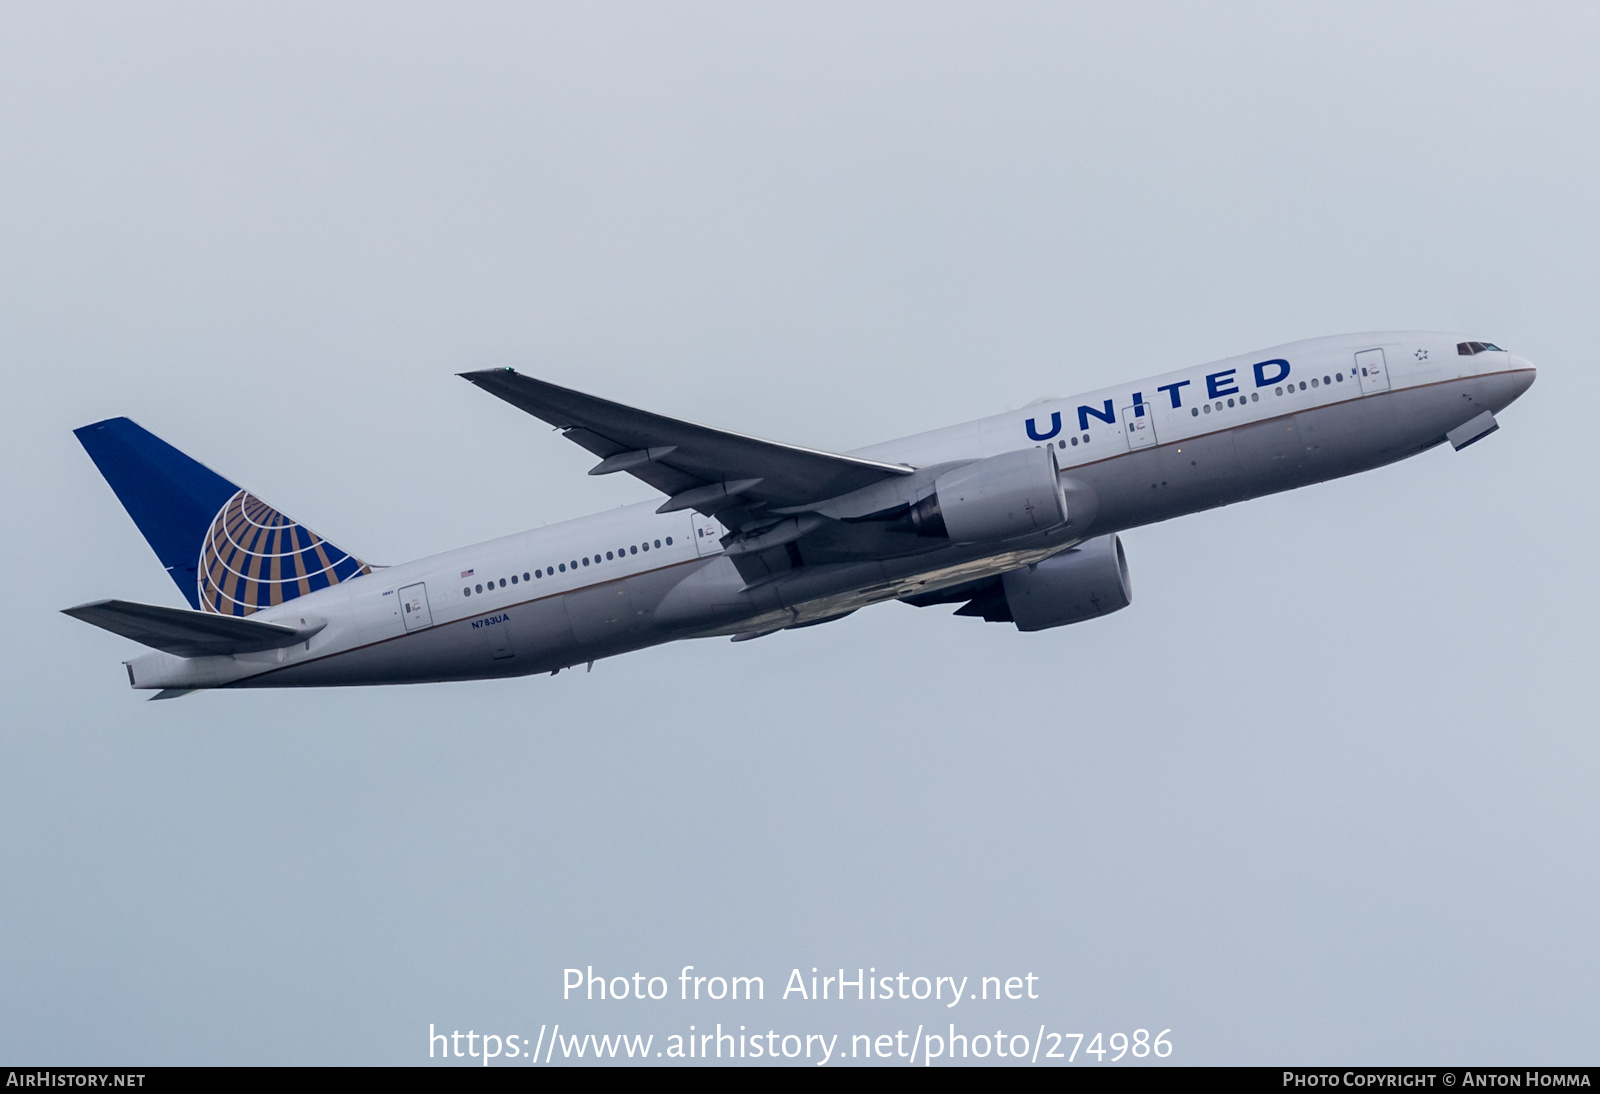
1086,582
1003,496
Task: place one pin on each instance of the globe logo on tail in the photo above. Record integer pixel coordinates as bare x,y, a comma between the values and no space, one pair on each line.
254,556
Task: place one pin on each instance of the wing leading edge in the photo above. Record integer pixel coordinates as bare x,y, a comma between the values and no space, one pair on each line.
737,478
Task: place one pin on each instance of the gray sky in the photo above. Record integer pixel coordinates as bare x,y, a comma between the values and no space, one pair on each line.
1325,793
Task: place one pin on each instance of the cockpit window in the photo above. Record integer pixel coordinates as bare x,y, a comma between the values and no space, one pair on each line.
1468,349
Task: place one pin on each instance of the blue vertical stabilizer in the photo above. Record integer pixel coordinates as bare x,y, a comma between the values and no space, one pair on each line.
172,498
228,551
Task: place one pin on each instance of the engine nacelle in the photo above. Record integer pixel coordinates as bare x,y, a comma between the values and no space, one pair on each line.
1088,581
1003,496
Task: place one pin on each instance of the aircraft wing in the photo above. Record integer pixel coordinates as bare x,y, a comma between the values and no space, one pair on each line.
711,470
187,633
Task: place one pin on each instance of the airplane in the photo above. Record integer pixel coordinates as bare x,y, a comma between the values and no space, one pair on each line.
1014,517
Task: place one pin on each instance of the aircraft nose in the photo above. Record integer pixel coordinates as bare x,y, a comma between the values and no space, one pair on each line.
1523,374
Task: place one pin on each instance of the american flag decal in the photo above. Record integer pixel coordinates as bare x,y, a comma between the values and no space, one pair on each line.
469,573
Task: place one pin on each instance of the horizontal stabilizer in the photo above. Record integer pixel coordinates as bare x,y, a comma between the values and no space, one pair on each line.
186,633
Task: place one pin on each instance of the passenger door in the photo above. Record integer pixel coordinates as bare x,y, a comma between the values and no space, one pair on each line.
1138,425
1373,371
708,533
414,607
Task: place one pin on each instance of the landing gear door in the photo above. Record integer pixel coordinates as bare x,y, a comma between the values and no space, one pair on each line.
708,533
414,607
1138,426
1373,371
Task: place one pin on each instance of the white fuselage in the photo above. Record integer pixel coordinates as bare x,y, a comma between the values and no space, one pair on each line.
554,597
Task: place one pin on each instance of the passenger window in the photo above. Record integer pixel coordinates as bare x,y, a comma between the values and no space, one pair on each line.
525,576
502,583
1280,391
1302,385
1194,411
563,567
633,550
480,588
1208,408
467,591
1339,377
609,555
586,560
513,579
669,542
1255,397
1074,442
538,573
